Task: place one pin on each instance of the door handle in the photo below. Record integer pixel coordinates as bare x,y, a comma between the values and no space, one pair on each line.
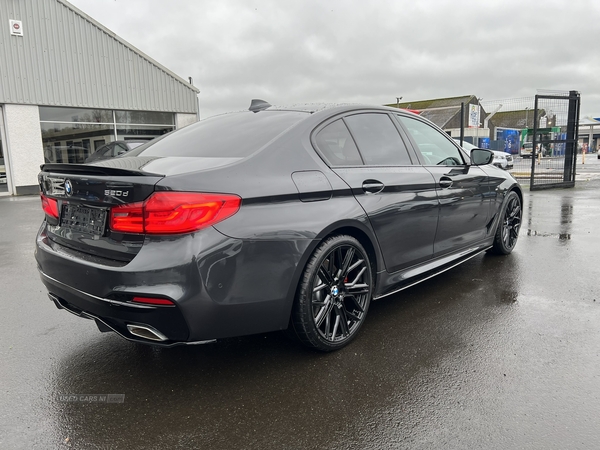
372,186
445,182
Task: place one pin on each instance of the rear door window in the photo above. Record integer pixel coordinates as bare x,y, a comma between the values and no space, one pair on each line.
378,140
337,146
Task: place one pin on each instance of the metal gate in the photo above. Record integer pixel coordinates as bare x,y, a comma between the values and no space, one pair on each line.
554,150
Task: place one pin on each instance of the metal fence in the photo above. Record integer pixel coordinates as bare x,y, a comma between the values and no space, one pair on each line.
540,133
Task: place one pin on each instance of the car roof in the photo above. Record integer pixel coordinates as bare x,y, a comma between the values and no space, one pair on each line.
312,108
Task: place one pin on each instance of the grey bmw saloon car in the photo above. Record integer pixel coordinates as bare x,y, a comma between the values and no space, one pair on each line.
268,219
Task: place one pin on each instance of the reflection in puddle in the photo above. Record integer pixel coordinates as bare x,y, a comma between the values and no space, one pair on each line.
560,236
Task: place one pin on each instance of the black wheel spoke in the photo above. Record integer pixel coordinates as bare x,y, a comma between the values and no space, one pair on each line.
327,326
356,278
346,263
341,313
516,210
324,311
358,289
357,305
336,268
319,287
336,326
353,317
325,276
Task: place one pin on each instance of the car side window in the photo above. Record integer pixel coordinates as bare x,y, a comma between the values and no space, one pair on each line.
119,149
435,147
378,140
337,146
108,149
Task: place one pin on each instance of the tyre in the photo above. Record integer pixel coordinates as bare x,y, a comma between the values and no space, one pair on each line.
334,294
509,225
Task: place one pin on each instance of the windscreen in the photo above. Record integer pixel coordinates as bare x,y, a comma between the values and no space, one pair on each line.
234,135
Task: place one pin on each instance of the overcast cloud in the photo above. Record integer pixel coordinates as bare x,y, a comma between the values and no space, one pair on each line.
372,51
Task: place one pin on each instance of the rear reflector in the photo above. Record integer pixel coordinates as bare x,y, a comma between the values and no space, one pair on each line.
173,213
50,206
153,301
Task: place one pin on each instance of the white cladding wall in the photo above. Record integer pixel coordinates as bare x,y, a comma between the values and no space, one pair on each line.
183,120
23,143
66,58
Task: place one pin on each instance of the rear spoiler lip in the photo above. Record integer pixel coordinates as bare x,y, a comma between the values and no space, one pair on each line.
89,169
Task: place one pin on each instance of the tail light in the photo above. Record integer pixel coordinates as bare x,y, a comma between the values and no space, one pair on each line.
50,206
173,213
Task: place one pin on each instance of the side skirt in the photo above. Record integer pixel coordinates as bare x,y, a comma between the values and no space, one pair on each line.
391,283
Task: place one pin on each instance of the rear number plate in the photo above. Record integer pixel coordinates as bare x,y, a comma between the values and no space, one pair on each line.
83,219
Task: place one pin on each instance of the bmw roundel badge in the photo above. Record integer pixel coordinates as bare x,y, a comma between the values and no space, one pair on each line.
68,187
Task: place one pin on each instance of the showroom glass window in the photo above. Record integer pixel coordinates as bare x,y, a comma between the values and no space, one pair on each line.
435,147
70,135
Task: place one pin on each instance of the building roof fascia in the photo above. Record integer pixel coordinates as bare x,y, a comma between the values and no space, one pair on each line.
127,44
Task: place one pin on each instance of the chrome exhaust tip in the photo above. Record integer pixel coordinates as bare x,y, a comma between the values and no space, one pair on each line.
146,332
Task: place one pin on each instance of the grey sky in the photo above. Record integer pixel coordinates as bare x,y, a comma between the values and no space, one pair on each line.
364,51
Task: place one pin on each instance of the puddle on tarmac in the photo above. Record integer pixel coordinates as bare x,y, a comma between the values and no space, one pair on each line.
560,236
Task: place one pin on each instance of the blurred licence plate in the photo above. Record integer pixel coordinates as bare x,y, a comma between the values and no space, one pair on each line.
83,219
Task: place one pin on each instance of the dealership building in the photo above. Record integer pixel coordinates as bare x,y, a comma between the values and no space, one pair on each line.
69,85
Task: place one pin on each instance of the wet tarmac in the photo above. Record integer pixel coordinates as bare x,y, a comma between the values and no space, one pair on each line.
499,353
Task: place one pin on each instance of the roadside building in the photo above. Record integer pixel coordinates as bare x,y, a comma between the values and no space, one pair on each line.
445,113
495,128
69,85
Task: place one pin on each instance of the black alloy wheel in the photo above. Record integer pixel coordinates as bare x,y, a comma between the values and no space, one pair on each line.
507,232
334,294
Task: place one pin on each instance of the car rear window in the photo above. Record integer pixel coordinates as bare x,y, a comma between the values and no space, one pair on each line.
235,135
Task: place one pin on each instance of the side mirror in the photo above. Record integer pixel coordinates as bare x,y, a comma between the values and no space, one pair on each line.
481,157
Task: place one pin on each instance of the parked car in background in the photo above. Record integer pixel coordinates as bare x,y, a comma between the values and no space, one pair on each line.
112,149
527,150
268,219
501,159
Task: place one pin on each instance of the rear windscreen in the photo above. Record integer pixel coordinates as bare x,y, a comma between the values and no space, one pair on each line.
234,135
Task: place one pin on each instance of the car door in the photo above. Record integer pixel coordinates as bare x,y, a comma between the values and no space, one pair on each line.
399,197
463,190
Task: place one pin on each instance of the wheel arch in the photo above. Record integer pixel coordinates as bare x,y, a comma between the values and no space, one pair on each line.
367,244
358,230
518,190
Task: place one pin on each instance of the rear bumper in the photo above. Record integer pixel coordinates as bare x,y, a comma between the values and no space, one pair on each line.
221,287
167,323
